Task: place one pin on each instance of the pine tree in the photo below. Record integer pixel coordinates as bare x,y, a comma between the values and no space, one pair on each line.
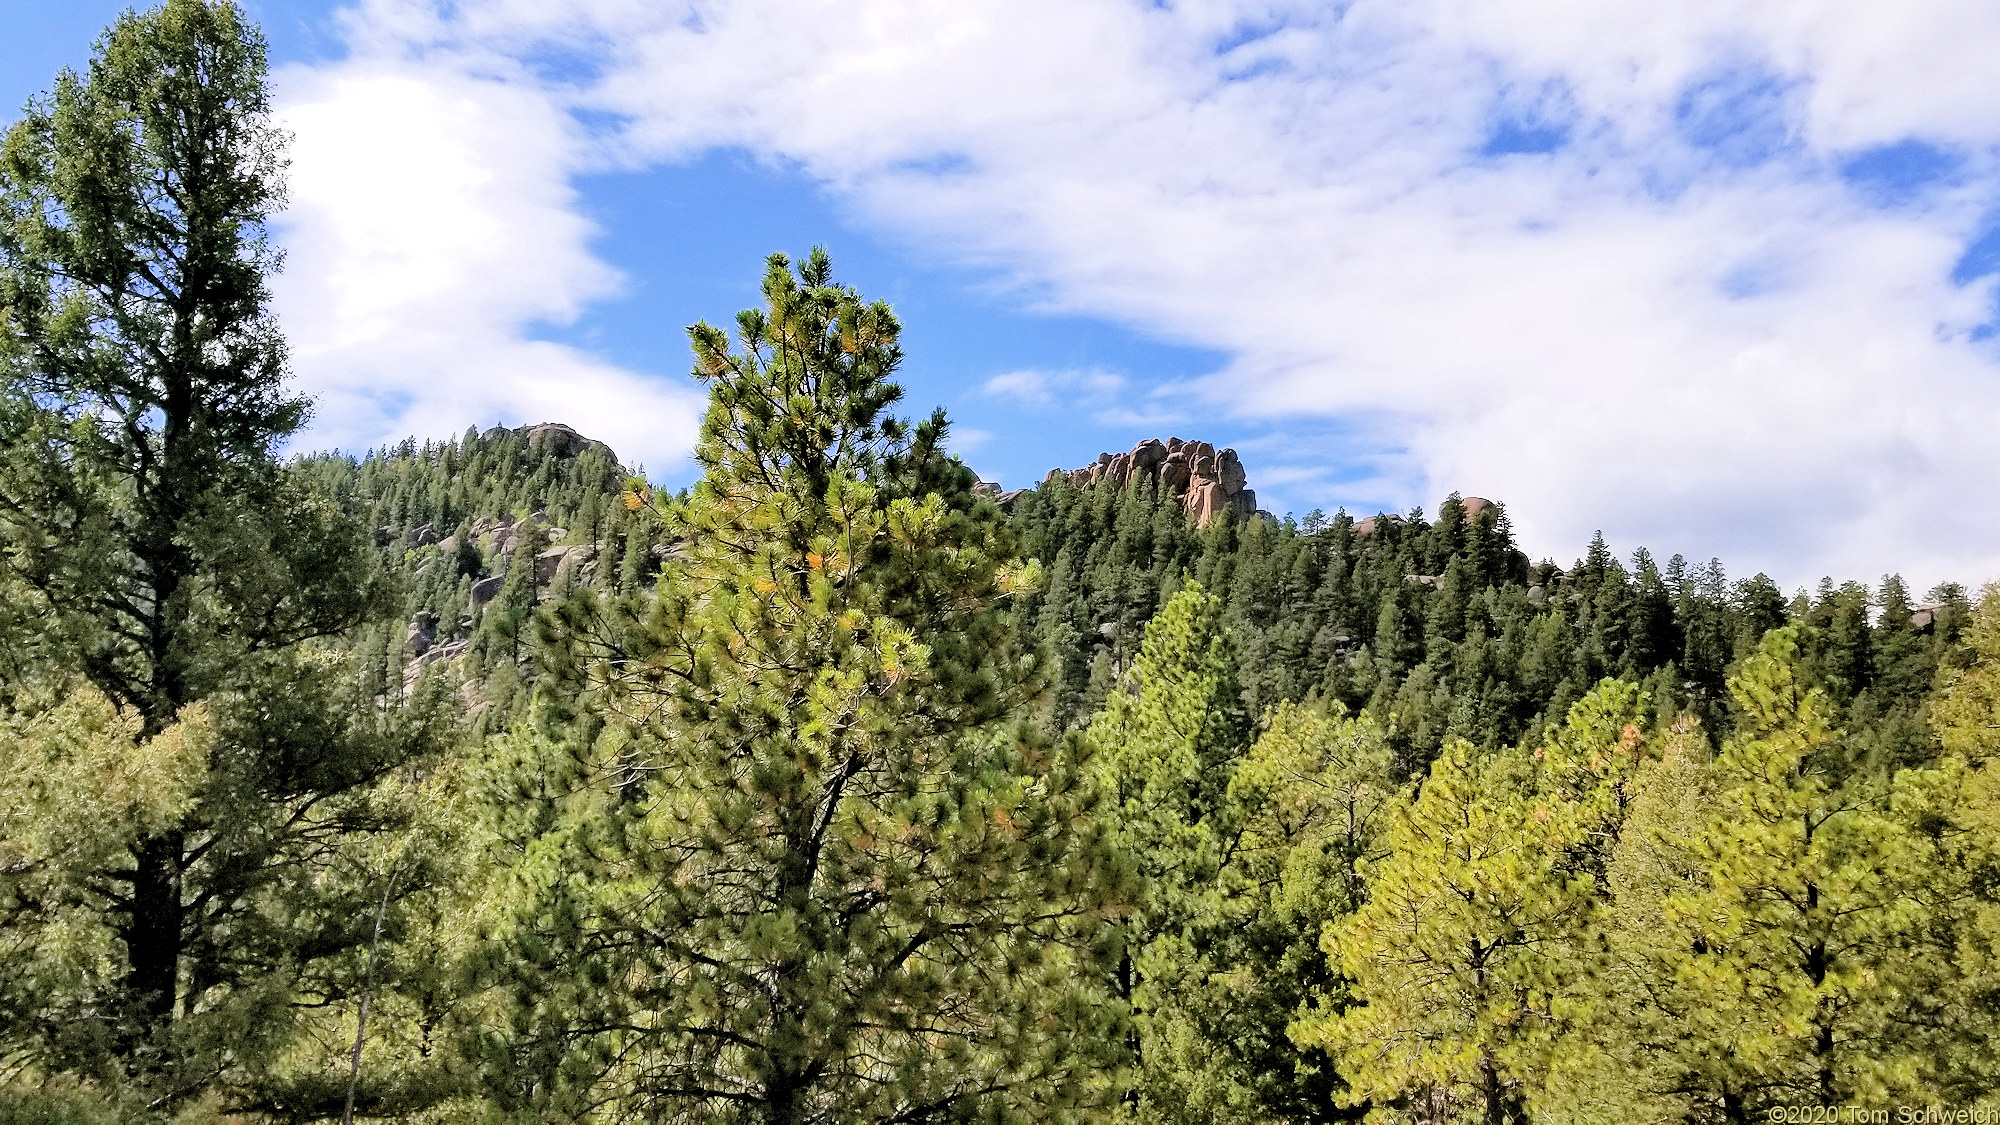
1164,748
1621,1060
1967,712
170,560
1792,957
806,870
1471,958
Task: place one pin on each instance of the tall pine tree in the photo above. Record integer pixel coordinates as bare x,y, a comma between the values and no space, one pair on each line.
169,562
810,872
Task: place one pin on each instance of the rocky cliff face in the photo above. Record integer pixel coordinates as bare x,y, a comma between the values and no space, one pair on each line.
1208,481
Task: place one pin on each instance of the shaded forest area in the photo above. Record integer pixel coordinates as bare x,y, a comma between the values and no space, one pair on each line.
480,780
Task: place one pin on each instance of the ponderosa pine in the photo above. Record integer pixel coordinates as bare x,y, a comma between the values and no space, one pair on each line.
164,558
810,868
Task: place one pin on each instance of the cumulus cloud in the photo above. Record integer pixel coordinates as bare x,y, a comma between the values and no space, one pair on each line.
432,228
1606,263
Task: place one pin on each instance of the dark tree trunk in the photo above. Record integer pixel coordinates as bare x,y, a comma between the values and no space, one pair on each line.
153,933
1496,1094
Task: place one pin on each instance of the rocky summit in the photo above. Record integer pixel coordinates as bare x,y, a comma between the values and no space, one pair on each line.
559,440
1209,481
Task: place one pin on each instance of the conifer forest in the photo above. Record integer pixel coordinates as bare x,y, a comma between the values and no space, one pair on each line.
481,780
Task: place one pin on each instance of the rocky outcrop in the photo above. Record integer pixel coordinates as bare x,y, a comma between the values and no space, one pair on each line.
555,437
1473,506
1208,481
421,635
558,560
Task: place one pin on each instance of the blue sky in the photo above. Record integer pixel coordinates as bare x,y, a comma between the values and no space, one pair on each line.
1718,279
690,237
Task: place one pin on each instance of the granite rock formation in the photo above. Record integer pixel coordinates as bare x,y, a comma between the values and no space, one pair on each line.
1208,481
561,440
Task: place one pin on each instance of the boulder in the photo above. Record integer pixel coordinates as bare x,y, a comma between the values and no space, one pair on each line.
1229,471
486,589
422,632
1147,455
562,441
549,563
423,536
1204,501
557,438
448,545
415,667
1118,470
1474,505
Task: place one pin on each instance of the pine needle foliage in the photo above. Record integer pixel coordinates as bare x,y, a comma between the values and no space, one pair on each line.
1472,958
809,870
171,567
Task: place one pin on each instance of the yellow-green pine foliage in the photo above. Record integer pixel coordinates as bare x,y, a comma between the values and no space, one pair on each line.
1804,933
1164,747
1962,813
1312,799
1246,849
1475,952
1618,1062
813,873
165,556
1966,714
79,787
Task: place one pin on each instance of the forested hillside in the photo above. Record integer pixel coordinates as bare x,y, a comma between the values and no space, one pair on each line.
480,780
1443,624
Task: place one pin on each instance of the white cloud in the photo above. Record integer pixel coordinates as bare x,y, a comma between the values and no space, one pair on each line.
1024,386
964,439
1702,348
1106,398
1033,387
432,228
